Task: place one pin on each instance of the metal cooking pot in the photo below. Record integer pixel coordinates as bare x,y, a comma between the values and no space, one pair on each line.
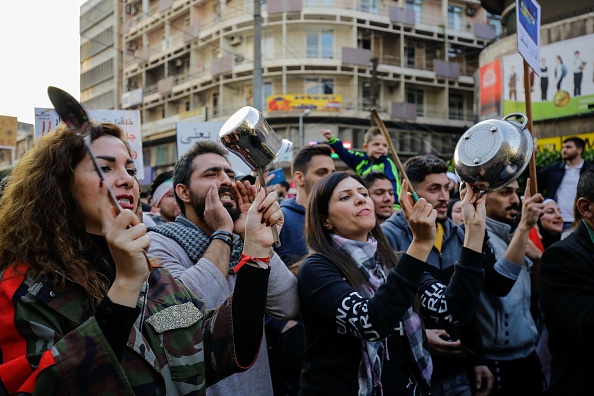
247,134
493,153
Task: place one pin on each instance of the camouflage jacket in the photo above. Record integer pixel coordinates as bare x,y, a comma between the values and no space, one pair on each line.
50,342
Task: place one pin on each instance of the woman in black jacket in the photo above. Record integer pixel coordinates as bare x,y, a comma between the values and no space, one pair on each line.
362,334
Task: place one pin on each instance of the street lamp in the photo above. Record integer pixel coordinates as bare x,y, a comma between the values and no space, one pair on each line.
301,134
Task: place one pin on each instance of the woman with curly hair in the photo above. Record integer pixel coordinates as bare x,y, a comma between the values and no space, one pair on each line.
81,311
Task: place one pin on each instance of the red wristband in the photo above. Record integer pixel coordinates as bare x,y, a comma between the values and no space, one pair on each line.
261,261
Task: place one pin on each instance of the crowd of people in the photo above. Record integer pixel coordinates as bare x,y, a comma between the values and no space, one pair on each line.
371,292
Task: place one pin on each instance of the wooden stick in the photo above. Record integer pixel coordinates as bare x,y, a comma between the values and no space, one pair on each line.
528,99
380,124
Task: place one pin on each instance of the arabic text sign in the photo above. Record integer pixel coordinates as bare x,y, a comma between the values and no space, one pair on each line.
189,132
47,120
528,25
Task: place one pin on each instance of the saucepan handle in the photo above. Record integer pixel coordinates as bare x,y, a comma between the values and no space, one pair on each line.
262,181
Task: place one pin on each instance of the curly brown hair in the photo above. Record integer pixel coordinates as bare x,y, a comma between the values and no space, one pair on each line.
40,218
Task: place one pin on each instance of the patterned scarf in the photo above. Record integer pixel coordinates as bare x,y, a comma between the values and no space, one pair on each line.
373,352
194,240
370,369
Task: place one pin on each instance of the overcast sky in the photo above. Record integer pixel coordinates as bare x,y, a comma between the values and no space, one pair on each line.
39,40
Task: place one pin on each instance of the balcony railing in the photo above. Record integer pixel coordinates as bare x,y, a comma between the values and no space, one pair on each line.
427,17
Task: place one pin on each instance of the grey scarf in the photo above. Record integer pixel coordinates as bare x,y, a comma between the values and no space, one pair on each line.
194,240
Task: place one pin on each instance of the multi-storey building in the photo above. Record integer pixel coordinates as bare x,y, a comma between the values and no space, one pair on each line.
100,54
9,157
413,60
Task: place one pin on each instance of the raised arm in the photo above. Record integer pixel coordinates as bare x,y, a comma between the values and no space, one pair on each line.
456,302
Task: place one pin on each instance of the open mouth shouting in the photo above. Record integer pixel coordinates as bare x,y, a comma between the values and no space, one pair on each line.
227,197
126,201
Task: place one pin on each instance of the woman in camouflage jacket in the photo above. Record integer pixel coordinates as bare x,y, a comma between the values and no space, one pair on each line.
81,312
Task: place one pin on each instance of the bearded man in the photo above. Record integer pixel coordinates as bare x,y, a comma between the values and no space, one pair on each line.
205,242
559,180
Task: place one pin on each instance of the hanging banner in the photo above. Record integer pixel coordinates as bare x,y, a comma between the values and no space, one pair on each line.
490,90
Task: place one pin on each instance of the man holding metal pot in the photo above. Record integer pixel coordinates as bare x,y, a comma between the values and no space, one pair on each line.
506,323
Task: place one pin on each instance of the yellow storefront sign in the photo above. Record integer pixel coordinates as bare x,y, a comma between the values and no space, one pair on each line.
300,102
556,143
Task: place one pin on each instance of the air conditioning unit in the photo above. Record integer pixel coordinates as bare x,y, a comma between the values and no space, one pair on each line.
470,11
235,39
130,9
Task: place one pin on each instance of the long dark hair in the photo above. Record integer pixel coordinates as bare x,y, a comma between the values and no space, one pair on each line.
319,240
40,218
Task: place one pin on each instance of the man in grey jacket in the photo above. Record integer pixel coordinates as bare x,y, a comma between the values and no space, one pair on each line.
455,349
204,244
506,323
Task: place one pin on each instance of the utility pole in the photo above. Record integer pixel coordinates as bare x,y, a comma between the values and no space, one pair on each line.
257,80
373,87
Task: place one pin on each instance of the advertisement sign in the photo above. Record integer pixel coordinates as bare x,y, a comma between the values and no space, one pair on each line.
490,90
302,102
565,86
8,132
189,132
47,120
528,25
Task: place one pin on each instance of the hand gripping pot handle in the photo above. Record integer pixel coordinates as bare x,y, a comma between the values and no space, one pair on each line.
493,153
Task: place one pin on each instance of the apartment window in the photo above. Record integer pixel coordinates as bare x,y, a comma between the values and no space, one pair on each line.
495,20
162,155
366,92
268,47
417,7
456,106
408,142
371,6
409,52
216,12
320,44
319,86
455,17
266,91
417,97
187,106
215,104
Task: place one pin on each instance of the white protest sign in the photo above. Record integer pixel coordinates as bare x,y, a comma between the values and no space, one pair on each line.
189,132
47,120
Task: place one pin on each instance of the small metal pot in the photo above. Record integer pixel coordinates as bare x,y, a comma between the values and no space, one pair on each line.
493,153
247,134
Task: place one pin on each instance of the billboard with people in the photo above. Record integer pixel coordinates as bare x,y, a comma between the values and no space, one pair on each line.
565,86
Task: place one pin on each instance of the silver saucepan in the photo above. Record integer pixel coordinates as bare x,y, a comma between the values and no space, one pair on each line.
247,134
493,153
